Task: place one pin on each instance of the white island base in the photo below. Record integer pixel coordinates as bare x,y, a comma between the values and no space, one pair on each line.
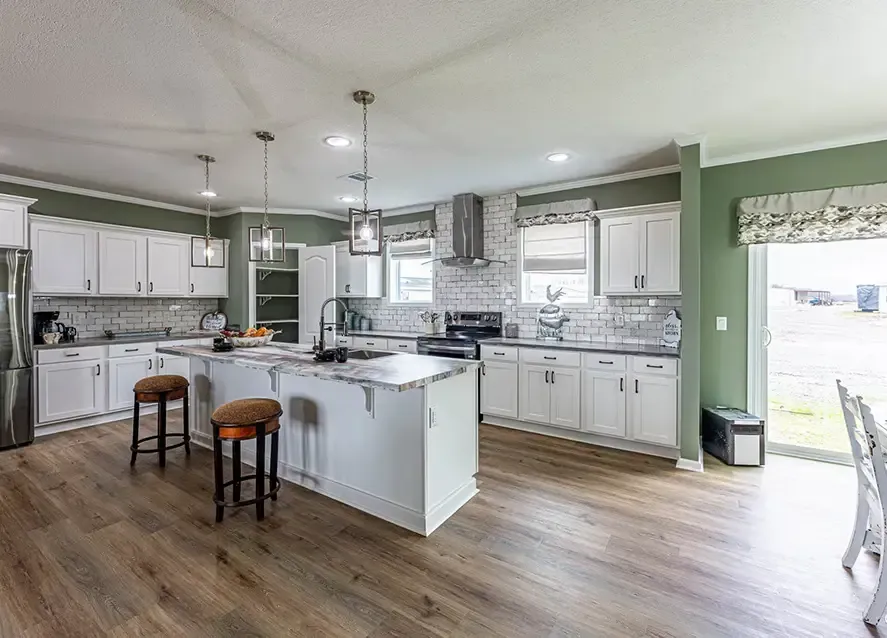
407,457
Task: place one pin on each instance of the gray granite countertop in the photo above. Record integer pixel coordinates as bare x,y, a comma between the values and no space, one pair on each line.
104,341
398,372
385,334
588,346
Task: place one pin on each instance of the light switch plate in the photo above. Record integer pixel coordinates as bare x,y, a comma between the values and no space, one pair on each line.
620,320
432,418
722,323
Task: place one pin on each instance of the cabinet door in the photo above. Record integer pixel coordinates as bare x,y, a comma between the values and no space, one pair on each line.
169,263
343,272
171,364
12,225
123,264
660,237
498,389
69,390
565,404
209,282
620,269
535,393
64,259
603,402
122,376
654,409
317,282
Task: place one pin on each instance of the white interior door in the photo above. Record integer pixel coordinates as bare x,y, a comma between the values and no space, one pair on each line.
660,250
123,264
169,264
317,282
620,267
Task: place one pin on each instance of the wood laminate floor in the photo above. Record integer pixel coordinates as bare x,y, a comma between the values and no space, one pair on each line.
563,540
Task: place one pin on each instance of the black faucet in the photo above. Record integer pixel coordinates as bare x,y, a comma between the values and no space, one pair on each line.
321,346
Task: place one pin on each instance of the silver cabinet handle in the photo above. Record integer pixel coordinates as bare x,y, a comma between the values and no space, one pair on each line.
768,335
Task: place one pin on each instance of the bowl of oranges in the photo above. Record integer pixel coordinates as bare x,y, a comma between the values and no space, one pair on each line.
249,338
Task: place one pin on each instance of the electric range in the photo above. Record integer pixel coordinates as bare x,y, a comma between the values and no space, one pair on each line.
464,332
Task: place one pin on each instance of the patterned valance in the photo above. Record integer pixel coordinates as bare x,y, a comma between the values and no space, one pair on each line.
396,233
567,212
854,212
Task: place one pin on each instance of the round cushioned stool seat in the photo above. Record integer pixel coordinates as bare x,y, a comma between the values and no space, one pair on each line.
238,419
149,388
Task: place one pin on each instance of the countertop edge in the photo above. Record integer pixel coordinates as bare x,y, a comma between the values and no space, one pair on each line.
628,349
88,342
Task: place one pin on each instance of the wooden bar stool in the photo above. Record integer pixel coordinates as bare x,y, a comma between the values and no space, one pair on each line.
160,389
238,421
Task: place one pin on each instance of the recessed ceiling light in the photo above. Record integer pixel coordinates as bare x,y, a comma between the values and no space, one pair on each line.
348,199
207,194
337,141
557,157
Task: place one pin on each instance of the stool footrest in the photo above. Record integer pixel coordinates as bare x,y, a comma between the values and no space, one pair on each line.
186,438
275,488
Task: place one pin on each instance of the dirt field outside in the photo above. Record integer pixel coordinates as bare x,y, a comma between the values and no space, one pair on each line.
812,346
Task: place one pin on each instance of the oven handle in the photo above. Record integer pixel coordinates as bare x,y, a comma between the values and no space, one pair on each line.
431,349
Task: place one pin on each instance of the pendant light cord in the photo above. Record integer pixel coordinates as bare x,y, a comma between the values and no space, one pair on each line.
265,223
206,197
366,174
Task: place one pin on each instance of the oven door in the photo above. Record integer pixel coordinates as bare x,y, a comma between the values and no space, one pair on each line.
463,351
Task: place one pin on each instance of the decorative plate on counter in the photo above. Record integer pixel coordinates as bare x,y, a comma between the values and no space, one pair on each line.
214,321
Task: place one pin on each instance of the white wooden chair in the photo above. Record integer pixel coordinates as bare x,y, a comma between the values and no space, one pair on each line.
866,437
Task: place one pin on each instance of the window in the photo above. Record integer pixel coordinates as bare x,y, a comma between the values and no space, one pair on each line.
411,272
560,256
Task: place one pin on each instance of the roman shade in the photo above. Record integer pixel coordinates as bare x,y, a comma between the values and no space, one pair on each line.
411,249
835,214
555,247
566,212
421,229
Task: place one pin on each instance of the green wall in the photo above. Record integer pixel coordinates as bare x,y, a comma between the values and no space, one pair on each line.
94,209
691,195
636,192
407,219
725,264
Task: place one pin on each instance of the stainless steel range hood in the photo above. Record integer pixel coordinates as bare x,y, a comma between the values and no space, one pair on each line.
468,233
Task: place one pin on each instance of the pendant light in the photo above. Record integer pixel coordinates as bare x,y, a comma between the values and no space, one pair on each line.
266,243
207,251
365,237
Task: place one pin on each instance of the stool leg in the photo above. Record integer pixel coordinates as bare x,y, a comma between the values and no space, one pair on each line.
186,418
235,461
135,433
260,471
161,429
219,476
274,463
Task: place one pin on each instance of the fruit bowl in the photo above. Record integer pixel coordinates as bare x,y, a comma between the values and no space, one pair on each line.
249,342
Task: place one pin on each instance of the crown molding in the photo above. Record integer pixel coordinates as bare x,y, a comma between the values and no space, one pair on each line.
822,145
87,192
597,181
689,140
281,211
16,199
644,209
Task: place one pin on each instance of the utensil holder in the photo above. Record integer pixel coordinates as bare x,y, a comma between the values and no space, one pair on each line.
434,328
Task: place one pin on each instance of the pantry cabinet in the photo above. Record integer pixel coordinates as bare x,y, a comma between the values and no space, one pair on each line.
13,220
122,264
640,250
65,259
70,390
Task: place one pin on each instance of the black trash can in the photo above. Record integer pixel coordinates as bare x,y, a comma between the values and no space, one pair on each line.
733,435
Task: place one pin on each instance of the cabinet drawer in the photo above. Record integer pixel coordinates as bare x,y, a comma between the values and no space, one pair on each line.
402,345
370,343
70,354
498,353
604,361
654,365
550,357
343,341
130,349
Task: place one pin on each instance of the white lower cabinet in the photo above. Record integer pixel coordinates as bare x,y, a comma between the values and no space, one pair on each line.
498,389
171,364
604,403
565,405
123,374
535,393
71,390
654,409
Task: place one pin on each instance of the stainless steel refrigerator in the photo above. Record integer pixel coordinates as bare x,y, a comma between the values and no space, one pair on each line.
16,349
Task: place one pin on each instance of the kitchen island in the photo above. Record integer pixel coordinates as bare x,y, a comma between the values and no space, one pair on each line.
393,436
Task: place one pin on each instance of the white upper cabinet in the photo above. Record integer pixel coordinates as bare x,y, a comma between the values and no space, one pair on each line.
640,250
169,263
209,282
317,282
123,264
13,220
357,275
64,259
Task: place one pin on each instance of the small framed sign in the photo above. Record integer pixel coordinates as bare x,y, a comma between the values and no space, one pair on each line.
671,330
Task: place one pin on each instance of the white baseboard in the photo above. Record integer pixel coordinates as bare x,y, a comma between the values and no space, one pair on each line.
98,419
585,437
689,465
394,513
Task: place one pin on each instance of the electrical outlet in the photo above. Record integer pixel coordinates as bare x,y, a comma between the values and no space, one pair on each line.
722,323
432,417
620,320
175,307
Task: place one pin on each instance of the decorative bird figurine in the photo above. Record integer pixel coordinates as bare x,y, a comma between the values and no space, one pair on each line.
551,319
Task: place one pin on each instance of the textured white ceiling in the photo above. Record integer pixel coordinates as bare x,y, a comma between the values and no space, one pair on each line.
472,94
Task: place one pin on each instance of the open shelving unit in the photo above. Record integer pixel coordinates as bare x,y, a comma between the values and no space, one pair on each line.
274,295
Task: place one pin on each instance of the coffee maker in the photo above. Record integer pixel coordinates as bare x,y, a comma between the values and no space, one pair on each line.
43,323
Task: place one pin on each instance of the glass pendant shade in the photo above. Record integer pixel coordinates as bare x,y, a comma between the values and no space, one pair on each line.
266,243
365,237
207,252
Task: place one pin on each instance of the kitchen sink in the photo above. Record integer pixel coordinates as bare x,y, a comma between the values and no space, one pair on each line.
368,354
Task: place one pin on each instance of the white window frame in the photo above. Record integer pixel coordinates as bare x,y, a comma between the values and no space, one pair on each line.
590,261
389,291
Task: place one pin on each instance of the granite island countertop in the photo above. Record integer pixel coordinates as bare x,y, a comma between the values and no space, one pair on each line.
105,341
587,346
398,372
